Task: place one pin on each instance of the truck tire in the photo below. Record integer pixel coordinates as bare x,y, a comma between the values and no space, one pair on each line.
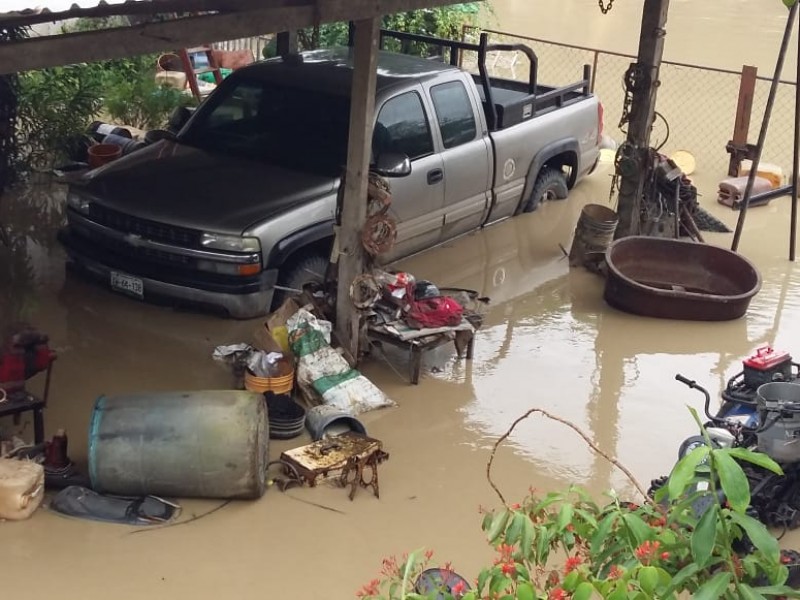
307,268
551,184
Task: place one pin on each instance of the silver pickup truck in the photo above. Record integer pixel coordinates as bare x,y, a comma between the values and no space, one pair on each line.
242,200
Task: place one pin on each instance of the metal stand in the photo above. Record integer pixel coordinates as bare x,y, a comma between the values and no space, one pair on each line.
787,34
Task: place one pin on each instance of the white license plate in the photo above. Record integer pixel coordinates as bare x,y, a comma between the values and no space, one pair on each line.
127,284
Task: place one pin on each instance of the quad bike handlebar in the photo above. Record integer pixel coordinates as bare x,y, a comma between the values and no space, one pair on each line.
693,385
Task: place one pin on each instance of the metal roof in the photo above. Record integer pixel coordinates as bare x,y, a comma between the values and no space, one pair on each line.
31,7
29,12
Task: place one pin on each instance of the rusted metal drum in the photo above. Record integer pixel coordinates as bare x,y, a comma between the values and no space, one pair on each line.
201,444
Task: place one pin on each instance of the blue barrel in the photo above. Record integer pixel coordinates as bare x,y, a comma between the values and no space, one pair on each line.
203,444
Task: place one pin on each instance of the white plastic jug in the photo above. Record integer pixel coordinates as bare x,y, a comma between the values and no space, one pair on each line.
21,488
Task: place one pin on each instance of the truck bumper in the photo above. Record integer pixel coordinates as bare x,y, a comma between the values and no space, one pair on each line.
248,300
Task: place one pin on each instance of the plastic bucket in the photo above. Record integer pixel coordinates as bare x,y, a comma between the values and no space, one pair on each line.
593,233
202,444
324,419
280,385
101,154
778,403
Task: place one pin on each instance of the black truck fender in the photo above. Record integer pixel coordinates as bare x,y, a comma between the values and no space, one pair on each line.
314,236
561,153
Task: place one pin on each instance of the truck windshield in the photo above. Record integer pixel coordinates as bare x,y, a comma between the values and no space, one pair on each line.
294,128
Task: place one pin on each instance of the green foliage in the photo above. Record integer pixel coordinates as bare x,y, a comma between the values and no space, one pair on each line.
55,105
444,22
622,551
143,103
58,105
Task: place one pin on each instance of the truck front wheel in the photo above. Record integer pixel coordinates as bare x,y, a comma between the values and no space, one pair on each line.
305,269
551,184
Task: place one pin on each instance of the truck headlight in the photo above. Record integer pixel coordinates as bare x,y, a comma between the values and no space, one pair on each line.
231,243
78,202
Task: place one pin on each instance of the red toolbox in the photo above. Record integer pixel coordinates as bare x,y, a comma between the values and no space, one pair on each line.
764,365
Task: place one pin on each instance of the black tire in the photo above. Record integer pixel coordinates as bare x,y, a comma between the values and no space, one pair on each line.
307,268
551,184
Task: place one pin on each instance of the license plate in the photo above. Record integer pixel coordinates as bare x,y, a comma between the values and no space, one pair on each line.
127,284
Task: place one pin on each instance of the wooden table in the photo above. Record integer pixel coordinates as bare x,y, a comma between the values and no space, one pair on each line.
418,346
343,458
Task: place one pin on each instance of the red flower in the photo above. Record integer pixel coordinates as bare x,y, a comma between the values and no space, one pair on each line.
647,551
557,594
459,588
573,562
509,568
615,572
664,555
428,554
506,550
370,589
516,506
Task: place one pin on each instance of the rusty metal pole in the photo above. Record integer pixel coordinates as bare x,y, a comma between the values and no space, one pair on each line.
762,136
643,106
354,205
793,225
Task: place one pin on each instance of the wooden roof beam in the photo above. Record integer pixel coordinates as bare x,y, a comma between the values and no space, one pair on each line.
119,42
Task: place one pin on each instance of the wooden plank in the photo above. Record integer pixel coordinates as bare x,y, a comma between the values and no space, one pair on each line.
274,16
354,209
643,105
38,53
744,109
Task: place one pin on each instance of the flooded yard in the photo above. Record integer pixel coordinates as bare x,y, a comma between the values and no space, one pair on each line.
548,341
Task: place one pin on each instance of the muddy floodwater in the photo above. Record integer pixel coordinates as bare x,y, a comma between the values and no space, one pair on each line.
548,341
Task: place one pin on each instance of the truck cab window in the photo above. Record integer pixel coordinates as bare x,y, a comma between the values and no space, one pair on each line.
454,113
402,127
243,104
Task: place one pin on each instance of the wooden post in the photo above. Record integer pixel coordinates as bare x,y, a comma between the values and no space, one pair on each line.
286,43
354,209
741,127
651,49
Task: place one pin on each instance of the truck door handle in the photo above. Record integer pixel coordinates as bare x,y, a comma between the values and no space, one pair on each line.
435,176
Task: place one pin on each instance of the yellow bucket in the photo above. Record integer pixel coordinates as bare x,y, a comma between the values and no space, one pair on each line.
279,385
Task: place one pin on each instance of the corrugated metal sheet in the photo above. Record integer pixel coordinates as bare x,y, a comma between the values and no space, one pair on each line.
17,7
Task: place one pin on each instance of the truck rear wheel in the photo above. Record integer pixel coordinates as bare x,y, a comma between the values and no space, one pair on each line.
307,268
551,184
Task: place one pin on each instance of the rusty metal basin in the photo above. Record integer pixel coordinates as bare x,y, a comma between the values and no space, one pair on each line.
674,279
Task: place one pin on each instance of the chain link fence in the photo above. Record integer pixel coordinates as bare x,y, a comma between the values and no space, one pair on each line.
696,105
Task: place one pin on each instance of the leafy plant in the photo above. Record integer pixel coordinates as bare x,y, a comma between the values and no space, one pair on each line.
55,105
566,545
141,102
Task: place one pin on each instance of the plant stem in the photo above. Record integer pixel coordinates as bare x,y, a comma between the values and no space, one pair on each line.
577,430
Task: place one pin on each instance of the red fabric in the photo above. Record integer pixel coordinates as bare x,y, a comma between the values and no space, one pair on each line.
442,311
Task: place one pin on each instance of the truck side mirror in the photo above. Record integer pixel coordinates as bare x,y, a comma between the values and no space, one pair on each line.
392,164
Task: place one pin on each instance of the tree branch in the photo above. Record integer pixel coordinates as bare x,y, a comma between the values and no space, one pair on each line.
577,430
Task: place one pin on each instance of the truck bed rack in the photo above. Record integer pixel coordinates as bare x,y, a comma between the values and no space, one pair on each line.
506,102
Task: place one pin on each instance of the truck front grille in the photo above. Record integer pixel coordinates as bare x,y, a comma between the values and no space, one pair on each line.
159,232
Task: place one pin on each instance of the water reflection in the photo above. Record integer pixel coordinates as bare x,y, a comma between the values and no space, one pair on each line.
551,341
31,213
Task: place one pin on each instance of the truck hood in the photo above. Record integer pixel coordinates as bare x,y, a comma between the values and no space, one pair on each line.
181,185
